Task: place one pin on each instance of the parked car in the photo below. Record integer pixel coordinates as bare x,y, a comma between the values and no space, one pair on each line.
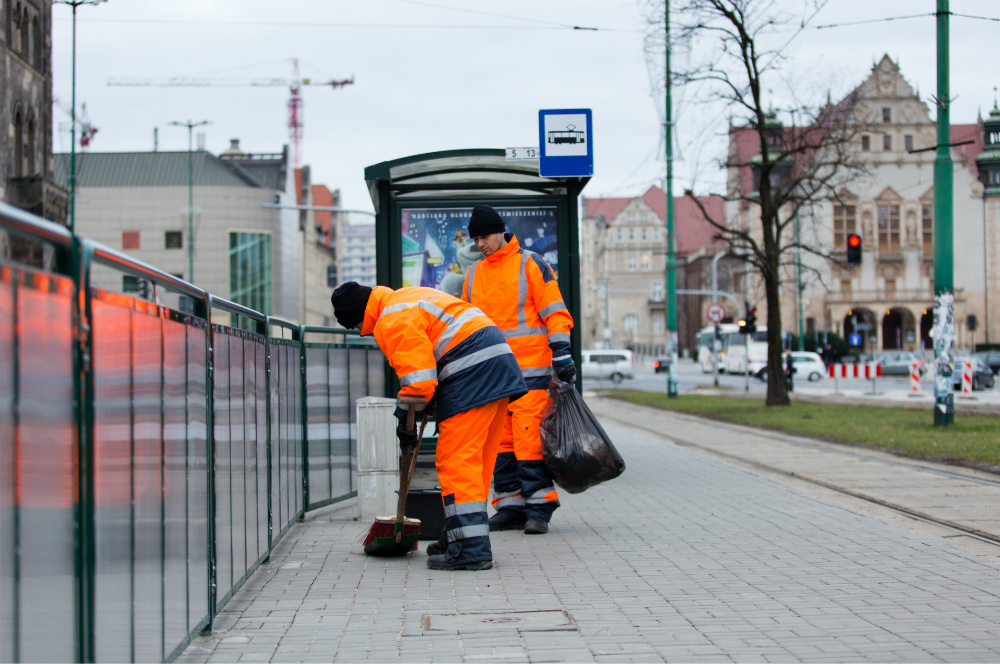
603,364
661,364
897,363
992,360
804,365
982,377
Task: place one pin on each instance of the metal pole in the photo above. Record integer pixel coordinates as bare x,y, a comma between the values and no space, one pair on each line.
72,136
607,320
190,239
190,205
798,280
72,130
944,301
746,360
715,349
670,305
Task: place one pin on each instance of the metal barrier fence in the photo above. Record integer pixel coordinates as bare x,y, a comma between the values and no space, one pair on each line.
150,460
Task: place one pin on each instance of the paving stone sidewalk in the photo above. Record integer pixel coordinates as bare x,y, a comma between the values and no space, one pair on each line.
685,557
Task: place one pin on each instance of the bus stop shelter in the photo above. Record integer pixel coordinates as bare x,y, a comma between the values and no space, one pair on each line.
423,203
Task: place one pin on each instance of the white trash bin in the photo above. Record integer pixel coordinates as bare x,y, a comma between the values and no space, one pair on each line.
378,457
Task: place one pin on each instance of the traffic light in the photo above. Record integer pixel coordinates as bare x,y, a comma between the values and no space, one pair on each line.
145,289
854,249
751,320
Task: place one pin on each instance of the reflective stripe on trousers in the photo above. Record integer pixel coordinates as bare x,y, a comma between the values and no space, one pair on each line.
466,454
520,470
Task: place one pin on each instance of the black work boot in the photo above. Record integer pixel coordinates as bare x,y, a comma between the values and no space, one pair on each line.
507,520
443,562
536,526
438,547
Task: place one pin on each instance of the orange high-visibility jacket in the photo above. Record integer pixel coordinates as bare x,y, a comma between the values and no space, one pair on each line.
437,342
517,289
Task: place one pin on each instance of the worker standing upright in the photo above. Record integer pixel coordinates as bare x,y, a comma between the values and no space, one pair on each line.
451,354
517,289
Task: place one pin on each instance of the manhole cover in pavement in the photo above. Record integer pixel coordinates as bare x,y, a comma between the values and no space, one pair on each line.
524,621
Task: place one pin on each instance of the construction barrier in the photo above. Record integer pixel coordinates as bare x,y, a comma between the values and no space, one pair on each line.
967,378
858,370
915,377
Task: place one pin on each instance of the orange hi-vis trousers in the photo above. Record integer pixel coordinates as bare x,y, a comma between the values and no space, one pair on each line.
466,454
521,483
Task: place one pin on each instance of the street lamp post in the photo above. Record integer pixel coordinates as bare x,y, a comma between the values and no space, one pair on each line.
190,240
944,256
72,135
670,303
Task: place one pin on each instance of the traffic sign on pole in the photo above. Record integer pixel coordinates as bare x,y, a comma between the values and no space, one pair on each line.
715,312
566,143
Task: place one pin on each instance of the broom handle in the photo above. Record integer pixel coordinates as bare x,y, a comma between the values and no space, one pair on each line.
408,465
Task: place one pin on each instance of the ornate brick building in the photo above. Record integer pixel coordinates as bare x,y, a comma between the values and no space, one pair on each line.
889,297
26,110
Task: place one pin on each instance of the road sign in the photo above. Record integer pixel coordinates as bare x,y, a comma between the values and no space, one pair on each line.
854,339
565,139
517,154
716,312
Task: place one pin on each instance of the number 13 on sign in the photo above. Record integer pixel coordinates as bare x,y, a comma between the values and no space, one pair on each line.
514,154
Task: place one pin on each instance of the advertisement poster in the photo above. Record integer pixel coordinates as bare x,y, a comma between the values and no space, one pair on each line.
437,250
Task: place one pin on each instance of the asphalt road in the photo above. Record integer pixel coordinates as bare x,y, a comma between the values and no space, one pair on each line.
691,377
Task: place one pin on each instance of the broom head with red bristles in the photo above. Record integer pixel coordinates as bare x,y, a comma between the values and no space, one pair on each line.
381,538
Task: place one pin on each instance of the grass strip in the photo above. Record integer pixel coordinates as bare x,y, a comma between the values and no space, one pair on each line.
973,440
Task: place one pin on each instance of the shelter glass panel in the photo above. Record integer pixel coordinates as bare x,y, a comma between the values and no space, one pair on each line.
223,466
175,453
46,469
237,452
319,422
113,536
197,475
437,249
8,477
147,498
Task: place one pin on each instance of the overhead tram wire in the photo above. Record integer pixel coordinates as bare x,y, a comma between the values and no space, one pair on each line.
901,18
320,24
802,26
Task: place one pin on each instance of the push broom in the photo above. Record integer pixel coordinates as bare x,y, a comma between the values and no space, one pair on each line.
396,536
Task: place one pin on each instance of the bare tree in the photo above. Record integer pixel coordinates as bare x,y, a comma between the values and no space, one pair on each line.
796,167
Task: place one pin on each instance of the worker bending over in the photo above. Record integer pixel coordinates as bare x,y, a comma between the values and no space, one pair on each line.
517,289
449,351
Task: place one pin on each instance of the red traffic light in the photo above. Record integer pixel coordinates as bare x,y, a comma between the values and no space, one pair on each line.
853,240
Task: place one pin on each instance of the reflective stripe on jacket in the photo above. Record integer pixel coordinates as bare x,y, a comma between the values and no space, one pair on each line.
437,342
536,323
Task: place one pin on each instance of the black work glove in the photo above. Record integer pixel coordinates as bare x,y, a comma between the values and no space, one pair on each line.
566,372
407,437
431,407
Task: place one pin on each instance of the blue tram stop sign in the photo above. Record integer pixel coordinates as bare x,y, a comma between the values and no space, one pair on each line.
566,143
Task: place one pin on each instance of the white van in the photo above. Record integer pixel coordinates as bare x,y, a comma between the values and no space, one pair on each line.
602,364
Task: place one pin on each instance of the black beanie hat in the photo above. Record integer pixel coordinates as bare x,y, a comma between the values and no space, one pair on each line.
349,302
485,221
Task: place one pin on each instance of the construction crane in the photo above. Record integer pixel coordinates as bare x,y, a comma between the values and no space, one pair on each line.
294,85
87,130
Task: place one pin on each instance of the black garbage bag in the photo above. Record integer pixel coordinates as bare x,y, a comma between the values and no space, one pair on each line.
577,452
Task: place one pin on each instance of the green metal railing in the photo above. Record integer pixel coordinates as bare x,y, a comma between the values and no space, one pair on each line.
150,459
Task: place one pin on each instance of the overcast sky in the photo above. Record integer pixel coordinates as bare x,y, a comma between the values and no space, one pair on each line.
451,74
